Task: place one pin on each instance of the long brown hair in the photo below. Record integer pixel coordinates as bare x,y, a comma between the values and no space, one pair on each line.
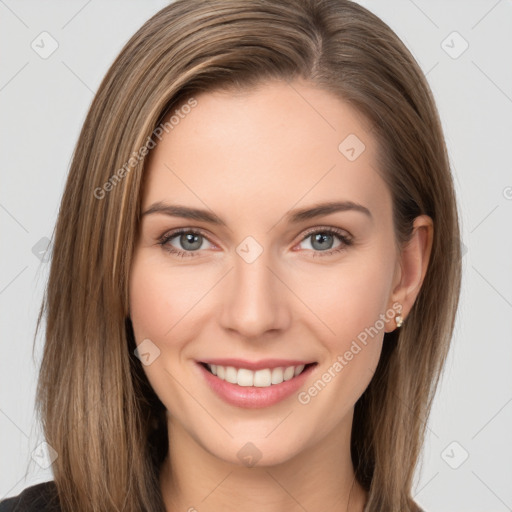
97,408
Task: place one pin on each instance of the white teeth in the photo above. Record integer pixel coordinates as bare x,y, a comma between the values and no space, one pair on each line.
277,376
259,378
262,378
288,373
230,375
245,377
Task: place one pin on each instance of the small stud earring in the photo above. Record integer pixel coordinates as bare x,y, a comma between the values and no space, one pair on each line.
399,320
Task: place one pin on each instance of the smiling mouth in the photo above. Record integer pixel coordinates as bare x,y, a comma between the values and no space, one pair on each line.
265,377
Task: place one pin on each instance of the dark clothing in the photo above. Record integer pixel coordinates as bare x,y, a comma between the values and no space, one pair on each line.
37,498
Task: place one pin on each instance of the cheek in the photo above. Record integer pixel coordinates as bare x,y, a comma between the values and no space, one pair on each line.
352,304
159,302
350,298
160,298
149,308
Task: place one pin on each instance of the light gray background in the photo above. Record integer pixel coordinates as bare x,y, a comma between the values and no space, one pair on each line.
43,103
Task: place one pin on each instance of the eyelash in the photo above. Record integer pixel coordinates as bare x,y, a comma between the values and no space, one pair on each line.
346,241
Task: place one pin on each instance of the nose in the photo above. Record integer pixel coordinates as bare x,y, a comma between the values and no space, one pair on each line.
254,299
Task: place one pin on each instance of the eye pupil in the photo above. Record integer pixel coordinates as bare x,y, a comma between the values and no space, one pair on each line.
191,238
321,238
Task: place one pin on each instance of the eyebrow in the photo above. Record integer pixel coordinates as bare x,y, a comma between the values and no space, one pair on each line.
293,217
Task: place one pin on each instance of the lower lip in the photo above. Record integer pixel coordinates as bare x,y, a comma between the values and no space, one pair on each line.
252,397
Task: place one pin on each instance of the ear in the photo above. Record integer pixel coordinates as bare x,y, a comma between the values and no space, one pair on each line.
411,268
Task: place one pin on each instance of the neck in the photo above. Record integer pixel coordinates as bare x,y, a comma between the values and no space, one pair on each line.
320,477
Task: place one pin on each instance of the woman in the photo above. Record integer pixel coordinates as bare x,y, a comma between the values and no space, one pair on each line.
256,269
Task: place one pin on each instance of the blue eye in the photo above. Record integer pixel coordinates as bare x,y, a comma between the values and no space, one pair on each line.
322,240
191,241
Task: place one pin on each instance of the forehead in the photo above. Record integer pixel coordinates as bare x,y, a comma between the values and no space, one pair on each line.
266,149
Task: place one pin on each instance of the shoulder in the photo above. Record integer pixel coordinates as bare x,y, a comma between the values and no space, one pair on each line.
40,497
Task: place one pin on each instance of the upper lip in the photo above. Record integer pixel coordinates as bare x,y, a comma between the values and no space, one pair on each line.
256,365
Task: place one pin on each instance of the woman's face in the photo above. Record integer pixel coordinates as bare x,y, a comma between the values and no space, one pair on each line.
260,283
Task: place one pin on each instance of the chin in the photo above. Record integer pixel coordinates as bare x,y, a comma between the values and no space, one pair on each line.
259,452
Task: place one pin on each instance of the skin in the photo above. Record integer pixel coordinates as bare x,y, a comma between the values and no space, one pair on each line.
251,157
